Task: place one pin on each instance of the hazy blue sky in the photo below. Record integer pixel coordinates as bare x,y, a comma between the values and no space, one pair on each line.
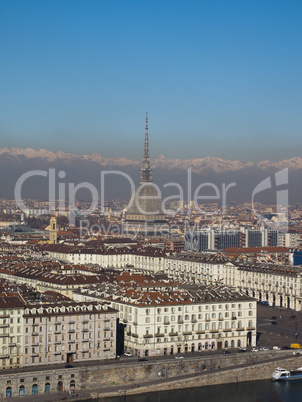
218,78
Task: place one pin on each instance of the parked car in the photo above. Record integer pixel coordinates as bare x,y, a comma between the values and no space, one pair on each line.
142,359
242,350
179,357
276,348
69,366
225,352
127,354
255,350
273,317
292,317
274,323
263,348
285,348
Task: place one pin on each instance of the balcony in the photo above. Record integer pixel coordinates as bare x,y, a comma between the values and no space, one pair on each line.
128,333
167,323
220,319
148,336
159,335
4,357
200,332
107,320
35,324
58,332
194,321
227,330
4,334
57,342
173,334
134,335
71,322
214,331
250,328
180,321
35,334
4,325
12,345
234,318
107,329
71,331
85,321
239,329
85,330
4,316
187,333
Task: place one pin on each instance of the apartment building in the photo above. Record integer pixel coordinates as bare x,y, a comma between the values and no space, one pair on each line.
161,317
68,332
11,331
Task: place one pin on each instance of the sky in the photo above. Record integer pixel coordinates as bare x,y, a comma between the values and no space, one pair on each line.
217,78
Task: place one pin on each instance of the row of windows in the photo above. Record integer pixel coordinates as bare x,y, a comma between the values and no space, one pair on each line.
71,318
10,321
71,327
193,317
57,338
200,327
173,310
60,348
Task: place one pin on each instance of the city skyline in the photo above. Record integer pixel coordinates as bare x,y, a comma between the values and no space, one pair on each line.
218,79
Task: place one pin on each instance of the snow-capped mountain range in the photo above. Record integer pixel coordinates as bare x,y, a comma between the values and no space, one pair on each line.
199,165
14,162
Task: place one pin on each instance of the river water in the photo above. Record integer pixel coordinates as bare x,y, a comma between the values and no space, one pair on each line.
252,391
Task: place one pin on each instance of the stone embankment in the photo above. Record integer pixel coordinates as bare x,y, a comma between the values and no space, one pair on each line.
258,369
133,377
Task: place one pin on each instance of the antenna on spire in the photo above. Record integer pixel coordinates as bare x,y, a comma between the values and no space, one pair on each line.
146,154
146,171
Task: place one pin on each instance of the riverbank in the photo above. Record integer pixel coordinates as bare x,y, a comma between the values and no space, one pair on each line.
242,373
103,382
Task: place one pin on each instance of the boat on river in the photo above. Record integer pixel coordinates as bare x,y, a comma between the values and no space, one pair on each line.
282,374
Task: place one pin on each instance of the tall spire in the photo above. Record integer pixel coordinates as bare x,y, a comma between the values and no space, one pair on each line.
146,155
146,171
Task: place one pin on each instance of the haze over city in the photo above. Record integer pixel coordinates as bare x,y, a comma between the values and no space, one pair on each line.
219,78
